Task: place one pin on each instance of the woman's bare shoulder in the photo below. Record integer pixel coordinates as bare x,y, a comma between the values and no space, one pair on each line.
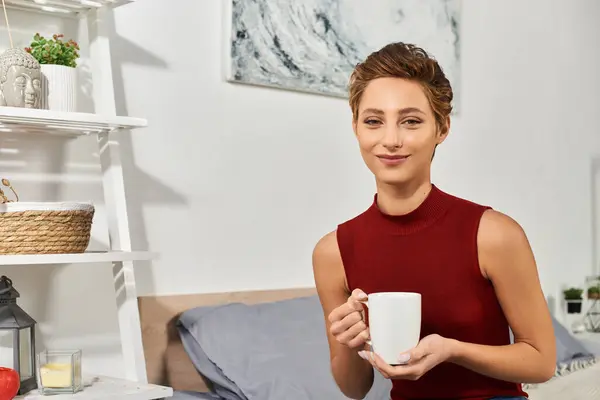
327,248
501,237
500,232
327,263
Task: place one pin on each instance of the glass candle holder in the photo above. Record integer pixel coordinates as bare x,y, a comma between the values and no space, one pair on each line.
59,371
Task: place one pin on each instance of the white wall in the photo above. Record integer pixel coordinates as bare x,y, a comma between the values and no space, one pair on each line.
233,185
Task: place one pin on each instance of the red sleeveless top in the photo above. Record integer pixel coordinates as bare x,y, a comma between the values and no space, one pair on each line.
432,251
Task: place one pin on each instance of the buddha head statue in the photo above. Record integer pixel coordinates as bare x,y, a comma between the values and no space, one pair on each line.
20,79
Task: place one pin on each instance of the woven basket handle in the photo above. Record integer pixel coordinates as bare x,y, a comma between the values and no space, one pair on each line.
3,198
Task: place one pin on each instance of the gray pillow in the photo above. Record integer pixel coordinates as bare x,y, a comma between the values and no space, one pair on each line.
572,354
269,351
185,395
220,384
567,346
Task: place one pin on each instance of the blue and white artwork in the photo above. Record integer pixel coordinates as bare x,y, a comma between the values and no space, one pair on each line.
313,45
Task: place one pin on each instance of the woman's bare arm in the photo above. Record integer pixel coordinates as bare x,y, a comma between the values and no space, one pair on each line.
353,375
507,260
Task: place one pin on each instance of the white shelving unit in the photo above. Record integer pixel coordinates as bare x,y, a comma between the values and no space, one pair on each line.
66,8
88,257
103,388
105,125
27,120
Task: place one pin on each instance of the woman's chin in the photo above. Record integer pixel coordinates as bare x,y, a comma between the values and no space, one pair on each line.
393,178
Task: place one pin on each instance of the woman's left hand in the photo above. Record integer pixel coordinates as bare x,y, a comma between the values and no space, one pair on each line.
429,352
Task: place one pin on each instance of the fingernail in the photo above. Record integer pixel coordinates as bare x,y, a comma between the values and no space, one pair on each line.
403,358
362,296
363,354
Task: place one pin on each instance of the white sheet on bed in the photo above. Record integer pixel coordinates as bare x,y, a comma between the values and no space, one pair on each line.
583,384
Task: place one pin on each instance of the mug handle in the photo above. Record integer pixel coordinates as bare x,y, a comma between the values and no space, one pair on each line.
366,303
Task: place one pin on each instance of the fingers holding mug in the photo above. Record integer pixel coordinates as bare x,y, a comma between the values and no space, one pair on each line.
357,299
355,336
347,322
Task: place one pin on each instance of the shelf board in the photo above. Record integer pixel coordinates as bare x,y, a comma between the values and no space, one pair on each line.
29,120
64,8
78,258
104,388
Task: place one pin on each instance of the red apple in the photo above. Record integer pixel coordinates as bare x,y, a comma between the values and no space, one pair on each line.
9,383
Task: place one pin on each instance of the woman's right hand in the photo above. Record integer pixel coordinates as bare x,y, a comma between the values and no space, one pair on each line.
347,322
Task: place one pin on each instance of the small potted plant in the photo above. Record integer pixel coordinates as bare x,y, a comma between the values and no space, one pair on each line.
574,298
58,61
593,292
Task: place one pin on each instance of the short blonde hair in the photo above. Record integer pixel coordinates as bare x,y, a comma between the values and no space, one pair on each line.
401,60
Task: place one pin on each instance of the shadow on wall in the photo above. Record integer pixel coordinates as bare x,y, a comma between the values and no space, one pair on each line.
28,155
85,99
35,306
595,197
140,187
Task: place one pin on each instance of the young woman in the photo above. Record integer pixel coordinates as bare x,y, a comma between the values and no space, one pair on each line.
472,265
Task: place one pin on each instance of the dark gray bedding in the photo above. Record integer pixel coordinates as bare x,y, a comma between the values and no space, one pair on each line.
279,350
269,351
194,396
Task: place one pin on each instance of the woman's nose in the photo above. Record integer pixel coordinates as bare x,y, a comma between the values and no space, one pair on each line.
392,138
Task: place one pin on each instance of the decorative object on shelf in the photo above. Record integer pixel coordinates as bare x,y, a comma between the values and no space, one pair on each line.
20,79
58,60
593,287
9,383
59,372
17,322
574,298
20,76
3,197
313,46
593,292
44,227
592,315
578,327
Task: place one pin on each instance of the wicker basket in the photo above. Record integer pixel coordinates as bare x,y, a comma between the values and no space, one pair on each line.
45,228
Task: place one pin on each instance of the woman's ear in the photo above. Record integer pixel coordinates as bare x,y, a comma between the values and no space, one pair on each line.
444,129
354,123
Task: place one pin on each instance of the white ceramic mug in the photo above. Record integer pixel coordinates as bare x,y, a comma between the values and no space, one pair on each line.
394,323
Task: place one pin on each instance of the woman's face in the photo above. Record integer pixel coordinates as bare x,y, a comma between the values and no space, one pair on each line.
396,130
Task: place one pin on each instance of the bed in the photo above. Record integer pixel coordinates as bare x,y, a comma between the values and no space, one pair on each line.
239,345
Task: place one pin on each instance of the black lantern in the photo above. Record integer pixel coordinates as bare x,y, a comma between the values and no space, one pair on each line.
21,328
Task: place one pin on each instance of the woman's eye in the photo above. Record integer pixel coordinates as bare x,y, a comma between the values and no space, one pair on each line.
372,122
412,122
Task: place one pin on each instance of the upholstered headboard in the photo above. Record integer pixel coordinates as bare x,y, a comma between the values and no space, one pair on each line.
166,360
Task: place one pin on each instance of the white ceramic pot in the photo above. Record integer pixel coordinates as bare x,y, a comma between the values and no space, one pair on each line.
59,88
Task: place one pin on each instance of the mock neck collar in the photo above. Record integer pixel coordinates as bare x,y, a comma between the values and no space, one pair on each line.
429,211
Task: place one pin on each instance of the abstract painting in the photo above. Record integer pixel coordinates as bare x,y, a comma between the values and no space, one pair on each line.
313,45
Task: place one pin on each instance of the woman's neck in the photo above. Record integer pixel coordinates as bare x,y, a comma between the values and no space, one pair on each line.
401,199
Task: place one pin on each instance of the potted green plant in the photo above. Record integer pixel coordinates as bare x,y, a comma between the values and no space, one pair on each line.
593,292
58,61
574,298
